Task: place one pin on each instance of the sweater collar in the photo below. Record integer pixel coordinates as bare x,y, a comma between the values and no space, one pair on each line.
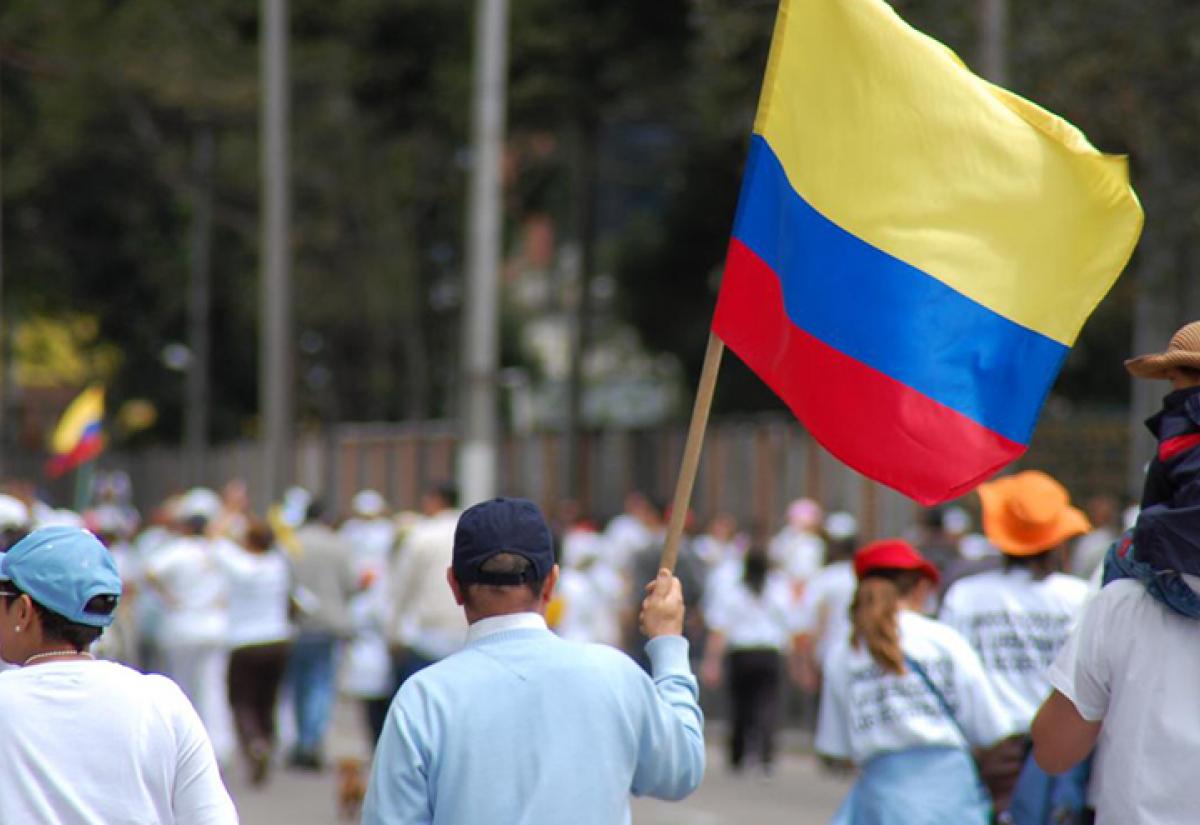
498,624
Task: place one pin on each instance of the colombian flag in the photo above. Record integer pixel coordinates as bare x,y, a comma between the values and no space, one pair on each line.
915,250
78,438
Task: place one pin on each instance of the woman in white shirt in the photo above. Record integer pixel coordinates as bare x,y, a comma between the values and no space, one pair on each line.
86,742
906,699
1018,617
260,579
195,625
749,626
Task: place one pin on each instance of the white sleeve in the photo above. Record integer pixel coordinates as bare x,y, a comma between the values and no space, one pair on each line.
199,796
833,720
979,712
398,791
1081,670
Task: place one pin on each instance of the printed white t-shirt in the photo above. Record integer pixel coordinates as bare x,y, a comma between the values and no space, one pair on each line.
1135,665
751,620
866,711
95,743
1017,626
197,608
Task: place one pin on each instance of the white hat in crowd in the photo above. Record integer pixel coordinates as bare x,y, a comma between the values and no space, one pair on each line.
368,504
13,513
199,502
841,525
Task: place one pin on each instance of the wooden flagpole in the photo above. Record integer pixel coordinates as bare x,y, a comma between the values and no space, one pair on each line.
691,450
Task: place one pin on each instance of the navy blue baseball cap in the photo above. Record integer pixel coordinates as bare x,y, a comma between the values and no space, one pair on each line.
62,569
502,525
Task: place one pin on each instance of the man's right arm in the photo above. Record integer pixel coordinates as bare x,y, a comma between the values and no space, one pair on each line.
670,761
398,791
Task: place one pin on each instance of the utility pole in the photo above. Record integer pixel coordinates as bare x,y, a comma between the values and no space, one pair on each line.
477,457
275,300
195,416
583,183
993,40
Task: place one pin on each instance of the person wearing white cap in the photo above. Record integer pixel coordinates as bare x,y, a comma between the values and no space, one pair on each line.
798,548
87,742
369,531
195,625
367,671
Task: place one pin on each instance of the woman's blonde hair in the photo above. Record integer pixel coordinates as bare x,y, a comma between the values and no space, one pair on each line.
874,615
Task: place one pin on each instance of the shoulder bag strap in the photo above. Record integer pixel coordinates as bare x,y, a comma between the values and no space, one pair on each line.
916,668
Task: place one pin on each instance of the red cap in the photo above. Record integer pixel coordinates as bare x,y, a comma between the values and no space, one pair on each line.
893,554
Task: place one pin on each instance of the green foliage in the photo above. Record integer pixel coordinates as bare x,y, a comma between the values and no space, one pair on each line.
103,99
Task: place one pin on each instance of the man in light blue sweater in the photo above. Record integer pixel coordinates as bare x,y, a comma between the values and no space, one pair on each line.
521,727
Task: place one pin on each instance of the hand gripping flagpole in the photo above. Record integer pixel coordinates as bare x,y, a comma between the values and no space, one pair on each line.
691,450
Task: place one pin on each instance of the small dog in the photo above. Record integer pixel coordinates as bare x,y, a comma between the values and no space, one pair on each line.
351,788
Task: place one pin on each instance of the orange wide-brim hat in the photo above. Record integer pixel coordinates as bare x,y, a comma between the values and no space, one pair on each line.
1029,513
1182,351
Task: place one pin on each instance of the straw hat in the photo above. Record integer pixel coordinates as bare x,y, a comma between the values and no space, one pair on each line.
1182,351
1029,513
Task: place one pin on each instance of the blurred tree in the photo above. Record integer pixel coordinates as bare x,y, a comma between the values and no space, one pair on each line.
649,106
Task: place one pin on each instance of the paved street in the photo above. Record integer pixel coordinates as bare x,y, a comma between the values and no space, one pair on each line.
797,794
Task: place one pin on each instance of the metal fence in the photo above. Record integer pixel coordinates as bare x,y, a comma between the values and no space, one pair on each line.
751,467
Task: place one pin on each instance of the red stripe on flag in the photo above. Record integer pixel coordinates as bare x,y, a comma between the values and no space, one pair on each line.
877,425
1179,444
88,449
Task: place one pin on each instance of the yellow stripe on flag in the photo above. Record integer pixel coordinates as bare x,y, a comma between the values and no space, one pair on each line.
85,410
883,131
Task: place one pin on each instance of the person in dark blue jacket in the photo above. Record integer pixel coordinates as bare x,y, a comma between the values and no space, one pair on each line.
1165,539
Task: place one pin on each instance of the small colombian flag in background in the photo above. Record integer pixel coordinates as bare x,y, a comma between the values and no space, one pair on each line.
915,250
78,438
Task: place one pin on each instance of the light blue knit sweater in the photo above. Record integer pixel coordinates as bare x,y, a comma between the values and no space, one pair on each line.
523,728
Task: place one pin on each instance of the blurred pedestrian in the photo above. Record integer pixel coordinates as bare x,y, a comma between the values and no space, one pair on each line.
522,726
194,636
749,631
260,582
590,590
369,532
798,549
906,698
85,742
1018,617
324,579
367,669
823,615
426,625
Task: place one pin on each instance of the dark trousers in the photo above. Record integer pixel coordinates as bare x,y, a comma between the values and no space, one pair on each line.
255,672
754,691
376,711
